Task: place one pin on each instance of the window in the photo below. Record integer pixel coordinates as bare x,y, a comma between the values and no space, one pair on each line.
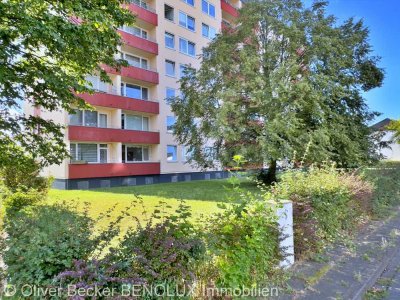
186,153
208,31
169,12
169,40
103,120
135,31
134,91
186,21
170,68
190,2
76,118
135,153
208,8
172,153
91,153
103,153
140,3
88,118
136,61
169,94
170,124
210,153
134,122
187,47
97,84
182,70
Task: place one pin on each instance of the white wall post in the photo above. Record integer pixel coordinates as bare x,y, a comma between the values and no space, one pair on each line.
286,243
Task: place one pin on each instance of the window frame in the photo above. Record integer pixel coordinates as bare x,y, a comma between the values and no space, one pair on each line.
174,67
123,91
187,47
208,8
125,153
173,13
176,153
123,122
99,147
173,40
186,25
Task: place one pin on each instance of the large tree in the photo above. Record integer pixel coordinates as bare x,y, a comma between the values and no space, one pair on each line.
286,81
47,47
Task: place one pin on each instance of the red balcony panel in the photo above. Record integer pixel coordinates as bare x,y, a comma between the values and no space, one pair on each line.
109,135
139,43
120,102
135,73
140,74
112,170
226,7
144,14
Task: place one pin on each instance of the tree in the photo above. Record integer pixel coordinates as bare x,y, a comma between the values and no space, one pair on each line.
286,81
47,48
395,127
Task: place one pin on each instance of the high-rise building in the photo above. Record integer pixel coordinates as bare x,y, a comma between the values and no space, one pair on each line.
128,138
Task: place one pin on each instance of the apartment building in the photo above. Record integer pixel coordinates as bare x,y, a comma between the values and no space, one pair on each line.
128,138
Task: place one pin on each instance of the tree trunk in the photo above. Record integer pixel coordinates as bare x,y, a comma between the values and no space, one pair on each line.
271,174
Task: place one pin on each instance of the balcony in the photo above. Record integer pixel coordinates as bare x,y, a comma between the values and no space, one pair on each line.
146,14
121,102
138,42
229,9
77,171
111,135
136,73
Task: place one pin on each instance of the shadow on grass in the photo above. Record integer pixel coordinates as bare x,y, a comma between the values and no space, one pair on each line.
203,190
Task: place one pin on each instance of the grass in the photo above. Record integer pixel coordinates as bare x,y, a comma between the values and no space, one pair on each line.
202,197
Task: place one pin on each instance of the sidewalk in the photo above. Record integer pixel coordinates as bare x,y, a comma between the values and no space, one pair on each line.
349,272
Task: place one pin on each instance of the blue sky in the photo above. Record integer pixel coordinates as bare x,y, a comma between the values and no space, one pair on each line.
383,19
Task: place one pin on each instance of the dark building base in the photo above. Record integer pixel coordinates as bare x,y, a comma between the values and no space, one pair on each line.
107,182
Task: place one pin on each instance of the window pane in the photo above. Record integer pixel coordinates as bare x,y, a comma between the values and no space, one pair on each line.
103,120
145,94
145,124
76,119
183,45
170,123
133,122
87,152
171,153
182,69
170,67
146,156
169,40
132,60
190,23
212,33
144,64
103,156
134,154
72,151
191,2
133,91
91,118
191,49
204,6
211,10
205,30
182,19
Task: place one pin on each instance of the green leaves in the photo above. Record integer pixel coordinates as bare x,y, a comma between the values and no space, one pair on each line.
47,49
287,80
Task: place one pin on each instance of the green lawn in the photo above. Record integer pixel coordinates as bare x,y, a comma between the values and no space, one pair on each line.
201,196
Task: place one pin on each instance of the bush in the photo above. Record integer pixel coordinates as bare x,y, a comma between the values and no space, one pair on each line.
322,205
14,202
165,252
24,176
243,241
43,241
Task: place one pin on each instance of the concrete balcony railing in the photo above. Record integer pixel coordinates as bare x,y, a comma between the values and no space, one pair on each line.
139,42
143,12
145,75
112,135
99,170
227,7
121,102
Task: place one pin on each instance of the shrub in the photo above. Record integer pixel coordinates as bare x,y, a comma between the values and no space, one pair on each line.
43,241
24,176
322,205
14,202
243,241
163,252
